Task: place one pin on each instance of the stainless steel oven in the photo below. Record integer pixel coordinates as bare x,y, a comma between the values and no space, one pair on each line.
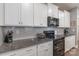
58,47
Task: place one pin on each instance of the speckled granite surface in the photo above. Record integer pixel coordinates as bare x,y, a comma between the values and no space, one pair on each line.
24,43
69,35
19,44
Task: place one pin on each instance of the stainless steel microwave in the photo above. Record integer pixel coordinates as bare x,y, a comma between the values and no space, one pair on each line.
53,22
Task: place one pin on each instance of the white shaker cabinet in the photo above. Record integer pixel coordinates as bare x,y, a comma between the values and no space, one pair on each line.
29,51
64,18
69,42
52,10
1,14
61,18
40,15
45,49
67,18
27,14
12,14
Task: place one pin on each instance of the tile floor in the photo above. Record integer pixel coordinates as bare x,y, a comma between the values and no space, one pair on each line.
73,52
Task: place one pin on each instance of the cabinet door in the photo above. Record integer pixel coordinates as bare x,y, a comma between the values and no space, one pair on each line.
67,18
40,14
61,18
1,14
11,53
27,14
45,49
52,10
12,13
73,41
69,42
43,52
50,48
29,51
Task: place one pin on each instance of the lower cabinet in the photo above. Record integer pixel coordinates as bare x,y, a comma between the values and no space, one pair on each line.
30,51
45,49
69,42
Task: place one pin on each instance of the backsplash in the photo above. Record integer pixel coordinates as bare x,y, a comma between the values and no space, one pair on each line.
1,36
25,32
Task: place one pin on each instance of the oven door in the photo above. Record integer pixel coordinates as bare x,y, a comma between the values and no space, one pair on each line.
58,47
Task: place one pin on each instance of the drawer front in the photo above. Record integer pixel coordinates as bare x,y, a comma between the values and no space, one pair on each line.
43,52
30,51
46,49
12,53
45,45
27,51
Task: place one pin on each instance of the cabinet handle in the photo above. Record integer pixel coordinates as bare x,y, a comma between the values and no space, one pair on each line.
29,50
46,49
13,55
19,22
41,24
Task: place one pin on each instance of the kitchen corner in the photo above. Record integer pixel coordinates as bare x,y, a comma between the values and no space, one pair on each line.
38,29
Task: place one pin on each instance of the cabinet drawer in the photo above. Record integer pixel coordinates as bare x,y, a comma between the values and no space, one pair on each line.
45,49
30,51
12,53
45,45
43,52
27,51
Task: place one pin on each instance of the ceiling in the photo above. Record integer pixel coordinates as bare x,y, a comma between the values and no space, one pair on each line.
67,6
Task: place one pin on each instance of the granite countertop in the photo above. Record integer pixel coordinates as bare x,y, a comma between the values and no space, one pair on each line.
69,35
24,43
43,40
19,44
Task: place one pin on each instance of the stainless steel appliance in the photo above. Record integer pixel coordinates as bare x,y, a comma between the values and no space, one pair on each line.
53,22
58,42
58,47
49,34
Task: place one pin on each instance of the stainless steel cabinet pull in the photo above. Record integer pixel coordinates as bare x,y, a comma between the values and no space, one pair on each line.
13,55
19,22
29,50
46,49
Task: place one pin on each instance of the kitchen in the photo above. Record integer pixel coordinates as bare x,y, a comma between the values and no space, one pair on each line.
37,29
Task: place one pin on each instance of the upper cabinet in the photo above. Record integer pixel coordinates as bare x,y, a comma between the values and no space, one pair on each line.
61,18
27,14
67,18
53,10
40,15
12,14
1,14
64,18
